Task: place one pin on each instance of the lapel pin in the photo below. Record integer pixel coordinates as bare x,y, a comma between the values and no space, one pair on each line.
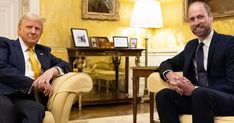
41,54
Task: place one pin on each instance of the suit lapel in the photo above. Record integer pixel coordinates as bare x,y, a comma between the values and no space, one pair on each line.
19,55
212,49
190,55
193,51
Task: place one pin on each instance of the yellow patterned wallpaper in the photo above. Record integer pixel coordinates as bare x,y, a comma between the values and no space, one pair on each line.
61,15
176,32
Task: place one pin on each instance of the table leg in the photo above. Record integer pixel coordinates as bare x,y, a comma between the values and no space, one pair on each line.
137,61
79,62
151,107
116,62
126,74
135,85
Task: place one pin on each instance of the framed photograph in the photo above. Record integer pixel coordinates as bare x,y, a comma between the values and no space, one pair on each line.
102,42
133,42
120,41
100,9
80,37
94,42
219,8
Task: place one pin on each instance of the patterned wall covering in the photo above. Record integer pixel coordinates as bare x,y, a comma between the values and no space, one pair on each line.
61,15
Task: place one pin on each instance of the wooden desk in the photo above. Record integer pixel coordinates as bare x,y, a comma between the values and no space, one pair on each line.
137,73
79,55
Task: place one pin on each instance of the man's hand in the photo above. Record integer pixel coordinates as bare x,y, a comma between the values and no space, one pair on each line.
186,86
42,83
46,88
181,85
174,81
173,84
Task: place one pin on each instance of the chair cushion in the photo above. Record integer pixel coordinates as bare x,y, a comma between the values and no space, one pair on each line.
104,65
48,118
107,74
219,119
186,118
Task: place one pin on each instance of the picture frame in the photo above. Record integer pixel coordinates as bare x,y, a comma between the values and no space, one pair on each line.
133,42
100,9
219,8
80,37
120,41
102,42
94,42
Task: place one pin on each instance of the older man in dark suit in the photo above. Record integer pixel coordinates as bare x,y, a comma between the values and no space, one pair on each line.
207,88
25,66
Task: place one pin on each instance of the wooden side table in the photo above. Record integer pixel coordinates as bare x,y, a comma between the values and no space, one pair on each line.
137,73
78,56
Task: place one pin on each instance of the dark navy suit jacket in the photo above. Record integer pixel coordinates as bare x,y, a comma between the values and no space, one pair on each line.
12,66
220,64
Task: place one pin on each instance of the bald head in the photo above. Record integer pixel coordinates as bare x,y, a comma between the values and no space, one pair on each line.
205,5
200,19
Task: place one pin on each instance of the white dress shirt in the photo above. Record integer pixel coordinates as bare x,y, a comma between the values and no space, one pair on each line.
28,68
206,47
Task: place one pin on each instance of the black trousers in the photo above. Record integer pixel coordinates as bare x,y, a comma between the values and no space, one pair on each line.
203,104
20,108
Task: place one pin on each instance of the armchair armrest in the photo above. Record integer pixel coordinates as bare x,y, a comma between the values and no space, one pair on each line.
65,89
155,83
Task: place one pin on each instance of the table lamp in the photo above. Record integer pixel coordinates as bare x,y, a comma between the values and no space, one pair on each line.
147,14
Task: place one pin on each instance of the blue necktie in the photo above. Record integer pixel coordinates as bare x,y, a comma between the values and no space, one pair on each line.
201,72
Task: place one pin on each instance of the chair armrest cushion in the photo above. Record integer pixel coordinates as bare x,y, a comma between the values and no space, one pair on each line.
48,117
155,83
71,82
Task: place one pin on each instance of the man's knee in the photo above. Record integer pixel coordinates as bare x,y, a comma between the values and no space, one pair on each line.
199,92
200,95
40,109
7,113
36,115
164,94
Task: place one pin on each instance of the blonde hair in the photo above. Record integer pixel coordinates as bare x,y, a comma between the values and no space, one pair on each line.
31,16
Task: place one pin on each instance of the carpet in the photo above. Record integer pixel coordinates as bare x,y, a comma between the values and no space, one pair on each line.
141,118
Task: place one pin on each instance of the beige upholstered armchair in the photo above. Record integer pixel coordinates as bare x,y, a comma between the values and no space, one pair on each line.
104,70
65,91
155,83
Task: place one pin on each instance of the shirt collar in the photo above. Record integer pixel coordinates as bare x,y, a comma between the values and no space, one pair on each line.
23,45
208,39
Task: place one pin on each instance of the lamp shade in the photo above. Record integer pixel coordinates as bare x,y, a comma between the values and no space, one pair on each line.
147,14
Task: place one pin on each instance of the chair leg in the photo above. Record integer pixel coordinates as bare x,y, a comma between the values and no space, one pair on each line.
80,100
107,86
99,85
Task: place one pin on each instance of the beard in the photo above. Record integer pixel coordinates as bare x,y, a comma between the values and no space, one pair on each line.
201,30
